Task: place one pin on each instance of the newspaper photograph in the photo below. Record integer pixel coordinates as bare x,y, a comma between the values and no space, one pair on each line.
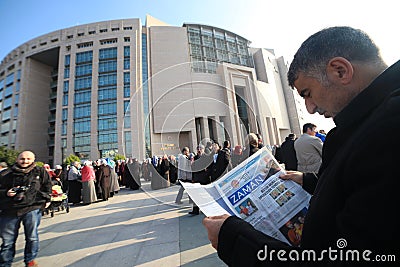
254,192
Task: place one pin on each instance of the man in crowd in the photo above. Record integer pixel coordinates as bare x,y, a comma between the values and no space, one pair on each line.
340,73
24,189
308,150
3,166
288,153
222,164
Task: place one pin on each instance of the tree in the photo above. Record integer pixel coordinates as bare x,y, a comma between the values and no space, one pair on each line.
118,157
39,163
72,158
8,155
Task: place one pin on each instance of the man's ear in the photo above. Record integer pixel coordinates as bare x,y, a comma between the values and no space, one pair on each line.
340,69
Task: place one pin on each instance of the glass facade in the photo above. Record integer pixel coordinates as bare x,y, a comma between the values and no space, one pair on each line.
145,90
209,45
107,101
82,106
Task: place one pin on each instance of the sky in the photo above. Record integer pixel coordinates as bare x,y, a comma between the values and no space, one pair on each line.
281,25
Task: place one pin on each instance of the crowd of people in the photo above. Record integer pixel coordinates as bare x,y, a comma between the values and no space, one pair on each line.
97,180
304,153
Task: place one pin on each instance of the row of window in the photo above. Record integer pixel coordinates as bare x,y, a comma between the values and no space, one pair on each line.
80,34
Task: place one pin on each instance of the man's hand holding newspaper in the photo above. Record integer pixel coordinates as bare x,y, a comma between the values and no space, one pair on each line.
260,192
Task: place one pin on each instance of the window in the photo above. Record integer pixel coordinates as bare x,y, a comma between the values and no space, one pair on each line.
10,79
108,53
107,79
65,100
7,103
127,39
16,99
127,77
127,90
82,126
82,70
107,93
64,114
81,33
127,64
82,97
109,41
103,30
92,32
127,121
70,36
128,28
83,83
128,143
127,51
66,73
81,140
209,52
64,128
107,66
66,87
84,57
6,115
107,108
15,111
107,123
82,111
108,137
8,91
195,50
114,29
194,35
83,45
67,60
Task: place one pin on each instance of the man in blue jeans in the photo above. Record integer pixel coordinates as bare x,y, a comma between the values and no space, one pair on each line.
24,189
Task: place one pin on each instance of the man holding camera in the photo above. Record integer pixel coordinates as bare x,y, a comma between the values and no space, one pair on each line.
24,189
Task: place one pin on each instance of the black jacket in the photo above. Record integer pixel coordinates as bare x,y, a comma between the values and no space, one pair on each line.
38,193
200,168
288,155
356,195
222,165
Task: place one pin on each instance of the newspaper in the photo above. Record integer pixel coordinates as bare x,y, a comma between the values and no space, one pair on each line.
254,192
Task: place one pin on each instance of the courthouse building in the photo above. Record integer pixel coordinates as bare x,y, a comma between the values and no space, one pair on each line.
118,86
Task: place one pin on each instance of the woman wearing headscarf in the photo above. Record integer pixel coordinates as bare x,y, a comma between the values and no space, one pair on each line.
105,179
114,188
88,187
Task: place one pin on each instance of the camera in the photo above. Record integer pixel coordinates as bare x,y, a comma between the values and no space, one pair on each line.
19,193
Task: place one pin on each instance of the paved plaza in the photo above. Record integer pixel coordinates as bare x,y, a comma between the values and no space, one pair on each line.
134,228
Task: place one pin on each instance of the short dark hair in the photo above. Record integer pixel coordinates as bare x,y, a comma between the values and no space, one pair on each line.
308,126
226,143
315,52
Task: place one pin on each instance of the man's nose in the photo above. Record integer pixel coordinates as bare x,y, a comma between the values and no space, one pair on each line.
310,105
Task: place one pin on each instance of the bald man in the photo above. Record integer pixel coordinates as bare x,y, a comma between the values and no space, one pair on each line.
24,189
